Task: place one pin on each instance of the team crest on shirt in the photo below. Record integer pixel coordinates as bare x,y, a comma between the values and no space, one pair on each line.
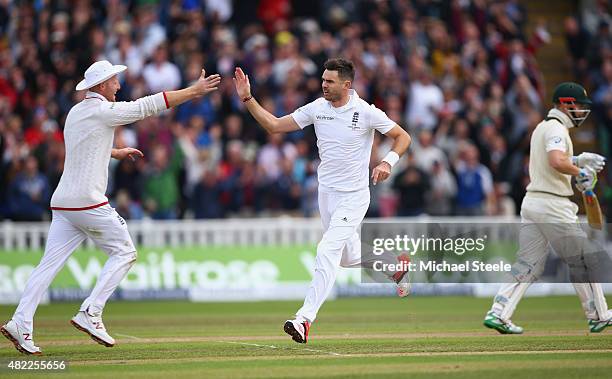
355,121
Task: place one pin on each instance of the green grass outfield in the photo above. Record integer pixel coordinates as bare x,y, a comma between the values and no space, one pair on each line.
420,337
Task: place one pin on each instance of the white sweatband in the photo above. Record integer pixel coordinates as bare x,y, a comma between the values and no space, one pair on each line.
392,158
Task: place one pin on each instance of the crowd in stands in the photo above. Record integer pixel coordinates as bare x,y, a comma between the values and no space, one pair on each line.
589,44
459,75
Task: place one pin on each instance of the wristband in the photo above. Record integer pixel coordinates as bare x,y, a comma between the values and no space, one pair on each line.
392,158
247,98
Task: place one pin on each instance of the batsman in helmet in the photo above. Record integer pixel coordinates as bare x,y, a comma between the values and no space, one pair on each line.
548,216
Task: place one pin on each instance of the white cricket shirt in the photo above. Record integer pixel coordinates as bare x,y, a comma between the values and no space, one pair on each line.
344,137
551,134
88,135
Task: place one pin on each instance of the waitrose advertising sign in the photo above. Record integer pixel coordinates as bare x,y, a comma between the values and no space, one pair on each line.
197,273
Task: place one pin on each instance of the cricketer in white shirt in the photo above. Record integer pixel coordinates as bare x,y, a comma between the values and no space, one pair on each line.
344,137
80,208
344,125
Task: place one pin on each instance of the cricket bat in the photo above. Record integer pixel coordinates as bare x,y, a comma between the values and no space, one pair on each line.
593,210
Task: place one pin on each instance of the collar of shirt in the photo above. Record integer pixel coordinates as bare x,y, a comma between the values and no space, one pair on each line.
94,95
565,120
352,103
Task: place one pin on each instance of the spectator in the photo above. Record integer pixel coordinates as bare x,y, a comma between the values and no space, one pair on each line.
474,184
195,159
451,143
425,101
287,190
289,59
412,185
161,190
594,12
206,200
522,99
442,192
125,52
236,176
577,41
521,181
600,45
300,163
503,204
128,178
271,155
161,74
602,109
310,191
149,33
29,193
127,207
425,153
219,10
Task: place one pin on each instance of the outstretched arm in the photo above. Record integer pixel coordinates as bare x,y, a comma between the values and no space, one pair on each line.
266,119
203,86
401,142
127,112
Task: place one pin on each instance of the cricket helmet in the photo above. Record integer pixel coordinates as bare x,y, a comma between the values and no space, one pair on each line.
570,93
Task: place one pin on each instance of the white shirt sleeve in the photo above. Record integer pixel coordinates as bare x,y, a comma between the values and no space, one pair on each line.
380,121
555,140
127,112
305,115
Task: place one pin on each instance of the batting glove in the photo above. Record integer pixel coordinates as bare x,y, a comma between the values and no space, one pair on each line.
592,160
586,179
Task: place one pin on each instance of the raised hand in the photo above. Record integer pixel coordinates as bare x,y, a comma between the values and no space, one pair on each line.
241,81
205,85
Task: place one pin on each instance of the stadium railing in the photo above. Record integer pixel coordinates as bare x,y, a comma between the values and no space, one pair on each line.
24,236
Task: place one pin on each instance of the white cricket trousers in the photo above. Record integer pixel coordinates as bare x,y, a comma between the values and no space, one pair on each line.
68,229
547,220
341,215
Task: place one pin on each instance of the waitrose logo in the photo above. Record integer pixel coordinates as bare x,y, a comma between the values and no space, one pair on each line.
182,270
162,271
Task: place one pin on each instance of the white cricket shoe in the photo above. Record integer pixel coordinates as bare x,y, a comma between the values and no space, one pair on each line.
94,327
20,337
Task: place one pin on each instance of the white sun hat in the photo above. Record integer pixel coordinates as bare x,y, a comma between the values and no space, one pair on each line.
99,72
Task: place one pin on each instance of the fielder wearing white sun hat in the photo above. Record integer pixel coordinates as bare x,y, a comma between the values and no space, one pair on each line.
99,72
80,206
